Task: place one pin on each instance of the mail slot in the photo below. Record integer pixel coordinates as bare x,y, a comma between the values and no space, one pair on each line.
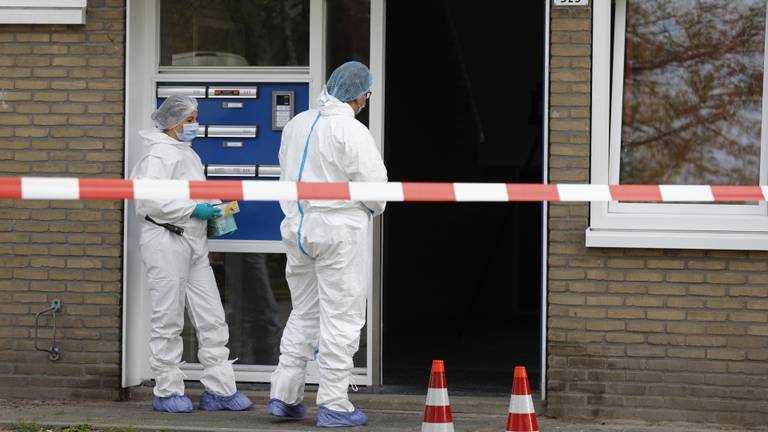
231,170
269,171
218,131
219,170
233,92
191,91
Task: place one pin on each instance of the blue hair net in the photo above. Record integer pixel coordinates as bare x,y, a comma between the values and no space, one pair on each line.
173,111
349,81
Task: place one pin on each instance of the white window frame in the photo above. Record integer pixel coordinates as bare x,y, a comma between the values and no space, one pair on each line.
656,225
142,75
42,11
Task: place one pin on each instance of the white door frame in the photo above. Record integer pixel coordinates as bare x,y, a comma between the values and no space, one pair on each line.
142,76
376,124
545,206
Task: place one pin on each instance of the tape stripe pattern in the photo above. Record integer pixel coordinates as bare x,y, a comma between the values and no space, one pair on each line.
58,188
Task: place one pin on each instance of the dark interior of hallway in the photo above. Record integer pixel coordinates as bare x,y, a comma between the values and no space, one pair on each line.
462,282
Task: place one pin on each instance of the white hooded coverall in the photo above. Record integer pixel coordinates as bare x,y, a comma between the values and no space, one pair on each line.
178,273
328,251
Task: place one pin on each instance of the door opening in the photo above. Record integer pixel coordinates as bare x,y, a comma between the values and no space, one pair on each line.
462,282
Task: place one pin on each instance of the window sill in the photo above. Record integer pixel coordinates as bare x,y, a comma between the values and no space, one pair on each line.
42,11
648,239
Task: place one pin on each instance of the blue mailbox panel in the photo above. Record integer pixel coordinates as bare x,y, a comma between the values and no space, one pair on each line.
241,124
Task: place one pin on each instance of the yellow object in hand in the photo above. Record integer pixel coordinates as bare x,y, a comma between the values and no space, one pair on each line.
225,223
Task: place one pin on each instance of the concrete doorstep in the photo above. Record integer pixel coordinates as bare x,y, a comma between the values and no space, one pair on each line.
387,413
367,400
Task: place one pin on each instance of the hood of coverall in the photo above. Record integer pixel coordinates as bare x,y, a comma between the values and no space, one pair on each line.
330,106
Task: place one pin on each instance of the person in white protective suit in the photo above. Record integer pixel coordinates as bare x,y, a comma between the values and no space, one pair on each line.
328,249
174,249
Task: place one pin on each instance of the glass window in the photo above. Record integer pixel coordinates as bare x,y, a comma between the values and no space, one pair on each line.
257,303
678,97
348,37
693,92
234,33
349,32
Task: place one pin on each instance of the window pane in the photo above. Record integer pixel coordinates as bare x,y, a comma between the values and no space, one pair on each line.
693,91
349,32
257,304
348,37
234,33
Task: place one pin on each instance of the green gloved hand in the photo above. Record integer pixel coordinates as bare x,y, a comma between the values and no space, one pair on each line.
206,211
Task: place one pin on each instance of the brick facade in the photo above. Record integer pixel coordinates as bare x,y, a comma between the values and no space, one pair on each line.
61,114
678,335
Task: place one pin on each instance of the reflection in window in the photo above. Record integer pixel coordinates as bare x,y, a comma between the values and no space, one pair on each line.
256,303
349,32
348,37
234,33
693,91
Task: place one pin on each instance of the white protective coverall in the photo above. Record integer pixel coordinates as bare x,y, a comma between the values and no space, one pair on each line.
328,251
178,272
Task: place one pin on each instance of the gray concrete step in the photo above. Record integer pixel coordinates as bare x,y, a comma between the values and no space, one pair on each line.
366,399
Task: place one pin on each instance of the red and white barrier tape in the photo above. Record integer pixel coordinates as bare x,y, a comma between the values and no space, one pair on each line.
54,188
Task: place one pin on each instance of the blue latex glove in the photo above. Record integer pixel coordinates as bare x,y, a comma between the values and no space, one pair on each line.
206,211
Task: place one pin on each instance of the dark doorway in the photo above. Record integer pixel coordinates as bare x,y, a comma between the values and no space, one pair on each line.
462,282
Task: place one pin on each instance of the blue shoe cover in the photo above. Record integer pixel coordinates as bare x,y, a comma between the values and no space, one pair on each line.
278,408
330,418
237,402
172,404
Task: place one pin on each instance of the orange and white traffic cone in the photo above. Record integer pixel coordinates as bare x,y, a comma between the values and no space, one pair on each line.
437,414
522,417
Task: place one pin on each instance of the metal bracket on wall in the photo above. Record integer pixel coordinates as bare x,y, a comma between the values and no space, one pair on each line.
53,352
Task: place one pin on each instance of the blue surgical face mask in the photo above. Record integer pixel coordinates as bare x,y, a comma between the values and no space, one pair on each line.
189,132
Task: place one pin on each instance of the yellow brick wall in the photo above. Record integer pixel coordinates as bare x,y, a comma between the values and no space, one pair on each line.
61,114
